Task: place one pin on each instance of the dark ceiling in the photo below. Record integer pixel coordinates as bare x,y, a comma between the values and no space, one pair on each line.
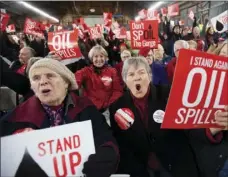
78,8
59,9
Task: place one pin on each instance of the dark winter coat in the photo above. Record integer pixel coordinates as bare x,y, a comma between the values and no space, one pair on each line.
31,114
136,143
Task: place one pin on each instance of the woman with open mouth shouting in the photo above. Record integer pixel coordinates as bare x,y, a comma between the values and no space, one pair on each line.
136,117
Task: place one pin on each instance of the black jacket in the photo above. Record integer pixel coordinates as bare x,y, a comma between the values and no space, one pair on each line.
31,114
171,146
211,156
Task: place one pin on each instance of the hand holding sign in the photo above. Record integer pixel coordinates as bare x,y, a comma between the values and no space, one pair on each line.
201,79
52,55
221,119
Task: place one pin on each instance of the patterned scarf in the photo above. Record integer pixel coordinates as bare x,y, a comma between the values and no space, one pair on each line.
55,116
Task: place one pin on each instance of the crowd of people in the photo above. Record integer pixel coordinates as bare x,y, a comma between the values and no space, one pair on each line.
111,82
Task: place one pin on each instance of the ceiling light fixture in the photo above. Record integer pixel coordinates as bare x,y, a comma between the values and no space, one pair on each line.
29,6
92,10
156,5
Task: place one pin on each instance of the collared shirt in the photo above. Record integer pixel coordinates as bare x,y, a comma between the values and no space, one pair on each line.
56,113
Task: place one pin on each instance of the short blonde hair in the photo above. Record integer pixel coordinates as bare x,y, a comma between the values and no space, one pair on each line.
136,62
181,43
95,49
191,42
125,52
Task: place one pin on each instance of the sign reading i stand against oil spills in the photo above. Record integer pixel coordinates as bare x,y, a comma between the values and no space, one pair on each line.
144,34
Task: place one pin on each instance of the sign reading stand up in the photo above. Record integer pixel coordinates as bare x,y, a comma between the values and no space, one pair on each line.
59,151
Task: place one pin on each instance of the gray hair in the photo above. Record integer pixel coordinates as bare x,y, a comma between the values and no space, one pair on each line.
31,62
97,48
31,50
136,62
182,43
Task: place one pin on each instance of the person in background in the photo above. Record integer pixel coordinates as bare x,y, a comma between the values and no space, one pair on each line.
146,150
9,48
20,65
123,47
125,55
192,45
180,44
54,104
196,37
185,35
222,49
211,38
100,83
147,53
159,74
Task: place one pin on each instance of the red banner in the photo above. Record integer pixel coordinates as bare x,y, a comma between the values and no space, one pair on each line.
173,10
144,34
152,14
181,22
199,89
33,27
79,21
107,19
4,21
10,28
95,32
143,14
164,11
121,33
64,43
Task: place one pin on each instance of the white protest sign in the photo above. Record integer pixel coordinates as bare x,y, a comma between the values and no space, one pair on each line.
220,22
59,151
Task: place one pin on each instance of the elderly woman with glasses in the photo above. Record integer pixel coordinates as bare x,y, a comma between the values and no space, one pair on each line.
145,149
55,104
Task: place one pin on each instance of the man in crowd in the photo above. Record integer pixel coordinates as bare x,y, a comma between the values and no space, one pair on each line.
180,44
20,65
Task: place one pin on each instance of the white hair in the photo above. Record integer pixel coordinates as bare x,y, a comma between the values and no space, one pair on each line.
182,44
31,50
136,62
127,52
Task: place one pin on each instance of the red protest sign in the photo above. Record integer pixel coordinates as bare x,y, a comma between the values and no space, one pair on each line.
152,14
199,89
4,21
120,33
64,43
33,27
10,28
144,34
173,10
143,14
181,22
164,11
107,19
95,32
